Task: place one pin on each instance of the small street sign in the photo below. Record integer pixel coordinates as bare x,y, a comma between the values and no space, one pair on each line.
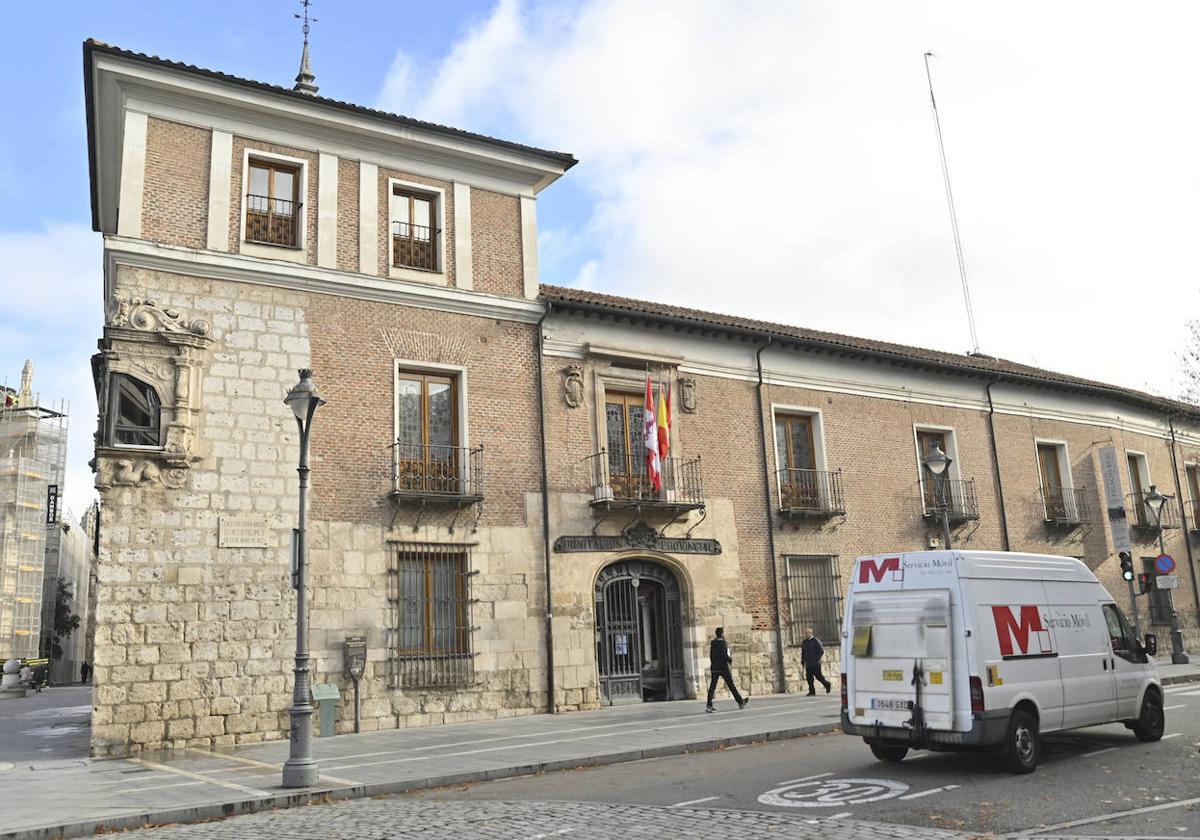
1164,564
1167,581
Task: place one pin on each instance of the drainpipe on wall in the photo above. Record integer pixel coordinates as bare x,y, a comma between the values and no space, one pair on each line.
781,675
1187,543
996,467
551,706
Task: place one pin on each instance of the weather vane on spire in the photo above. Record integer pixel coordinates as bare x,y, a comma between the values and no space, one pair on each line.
305,78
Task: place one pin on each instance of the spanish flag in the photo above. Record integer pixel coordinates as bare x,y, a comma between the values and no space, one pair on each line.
664,422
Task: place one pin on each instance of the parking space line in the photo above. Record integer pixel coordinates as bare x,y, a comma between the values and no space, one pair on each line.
1044,830
1180,706
921,793
1172,735
693,801
197,777
251,762
1099,752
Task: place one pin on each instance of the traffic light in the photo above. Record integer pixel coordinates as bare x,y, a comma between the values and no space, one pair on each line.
1146,582
1126,566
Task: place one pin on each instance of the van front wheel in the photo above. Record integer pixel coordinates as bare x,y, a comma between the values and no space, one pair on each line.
1149,724
892,755
1024,744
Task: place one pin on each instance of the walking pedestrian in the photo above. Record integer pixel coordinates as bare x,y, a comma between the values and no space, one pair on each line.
85,671
719,661
811,651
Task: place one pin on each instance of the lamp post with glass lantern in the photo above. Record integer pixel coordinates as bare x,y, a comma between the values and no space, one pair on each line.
1156,502
938,462
300,770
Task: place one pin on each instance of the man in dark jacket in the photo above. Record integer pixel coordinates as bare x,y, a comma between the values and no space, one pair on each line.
811,651
719,661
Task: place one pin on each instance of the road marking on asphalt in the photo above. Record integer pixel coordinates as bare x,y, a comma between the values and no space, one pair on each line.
832,792
1048,829
1099,752
125,791
921,793
805,779
251,762
840,816
1192,693
558,833
693,801
1172,735
1180,706
197,777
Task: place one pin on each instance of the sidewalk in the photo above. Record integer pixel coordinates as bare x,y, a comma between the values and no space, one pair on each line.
70,795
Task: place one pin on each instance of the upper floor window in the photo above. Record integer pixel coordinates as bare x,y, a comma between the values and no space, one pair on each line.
272,203
427,455
929,440
624,419
1192,474
414,232
1056,481
799,484
135,413
1139,485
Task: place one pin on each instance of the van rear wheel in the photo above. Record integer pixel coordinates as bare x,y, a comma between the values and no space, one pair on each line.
1150,722
1024,745
892,755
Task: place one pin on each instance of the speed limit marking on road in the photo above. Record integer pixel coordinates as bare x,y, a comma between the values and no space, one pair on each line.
830,793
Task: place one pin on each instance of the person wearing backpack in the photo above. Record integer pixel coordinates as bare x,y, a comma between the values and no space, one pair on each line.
811,651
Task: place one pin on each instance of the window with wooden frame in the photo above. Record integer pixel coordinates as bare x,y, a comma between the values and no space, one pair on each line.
272,203
134,412
799,483
927,441
414,229
427,455
625,418
1192,476
1054,488
1139,481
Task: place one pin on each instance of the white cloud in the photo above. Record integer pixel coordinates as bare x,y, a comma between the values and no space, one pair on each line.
50,284
787,150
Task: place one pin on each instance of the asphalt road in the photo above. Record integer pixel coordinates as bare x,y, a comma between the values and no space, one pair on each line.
1099,781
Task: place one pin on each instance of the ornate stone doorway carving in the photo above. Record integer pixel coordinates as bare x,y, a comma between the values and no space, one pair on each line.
639,633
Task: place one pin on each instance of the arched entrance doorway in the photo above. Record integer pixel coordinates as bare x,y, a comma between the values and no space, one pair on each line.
639,633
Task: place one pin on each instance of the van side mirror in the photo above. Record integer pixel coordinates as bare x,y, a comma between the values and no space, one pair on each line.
1151,645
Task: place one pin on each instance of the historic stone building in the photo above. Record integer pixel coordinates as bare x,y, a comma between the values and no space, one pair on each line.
479,511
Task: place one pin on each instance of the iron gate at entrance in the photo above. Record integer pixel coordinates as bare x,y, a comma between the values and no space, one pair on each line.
639,633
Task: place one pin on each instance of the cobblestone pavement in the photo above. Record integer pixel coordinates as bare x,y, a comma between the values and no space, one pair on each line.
383,819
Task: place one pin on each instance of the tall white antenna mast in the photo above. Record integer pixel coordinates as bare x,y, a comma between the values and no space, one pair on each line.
962,266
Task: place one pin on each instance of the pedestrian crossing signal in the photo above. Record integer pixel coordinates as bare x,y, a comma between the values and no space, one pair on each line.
1145,582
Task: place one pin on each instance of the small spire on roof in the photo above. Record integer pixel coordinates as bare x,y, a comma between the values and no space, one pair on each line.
305,78
26,395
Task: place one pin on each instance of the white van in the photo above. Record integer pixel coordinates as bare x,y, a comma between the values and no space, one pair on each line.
954,650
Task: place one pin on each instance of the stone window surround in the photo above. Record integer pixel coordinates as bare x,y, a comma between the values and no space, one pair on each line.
1064,462
955,471
606,377
110,412
298,253
439,212
1143,465
822,464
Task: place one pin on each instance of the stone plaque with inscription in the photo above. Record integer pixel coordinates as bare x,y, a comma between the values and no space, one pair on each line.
242,530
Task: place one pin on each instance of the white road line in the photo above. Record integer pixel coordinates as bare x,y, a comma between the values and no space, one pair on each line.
558,833
197,777
805,779
693,801
1180,706
840,816
127,791
251,762
921,793
1099,752
1046,830
1172,735
1193,693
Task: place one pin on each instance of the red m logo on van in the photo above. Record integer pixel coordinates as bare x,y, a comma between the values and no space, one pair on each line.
1025,629
868,568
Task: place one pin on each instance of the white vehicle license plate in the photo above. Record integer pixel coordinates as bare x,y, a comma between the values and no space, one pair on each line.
890,703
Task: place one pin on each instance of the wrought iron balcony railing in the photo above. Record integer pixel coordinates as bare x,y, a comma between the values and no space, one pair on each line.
1066,505
960,501
1139,516
414,246
810,492
620,481
271,221
431,472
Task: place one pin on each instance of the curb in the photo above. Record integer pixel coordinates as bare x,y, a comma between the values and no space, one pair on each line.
220,810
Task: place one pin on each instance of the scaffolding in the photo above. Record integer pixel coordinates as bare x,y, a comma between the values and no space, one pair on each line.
33,445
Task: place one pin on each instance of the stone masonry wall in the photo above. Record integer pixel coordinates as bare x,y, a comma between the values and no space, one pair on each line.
175,197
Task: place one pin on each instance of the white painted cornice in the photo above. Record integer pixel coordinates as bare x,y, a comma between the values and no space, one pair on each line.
138,253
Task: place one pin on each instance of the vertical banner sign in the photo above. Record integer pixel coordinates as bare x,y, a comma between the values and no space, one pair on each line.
1114,501
52,504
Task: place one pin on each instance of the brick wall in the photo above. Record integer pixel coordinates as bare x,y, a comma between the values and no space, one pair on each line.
347,222
496,227
175,197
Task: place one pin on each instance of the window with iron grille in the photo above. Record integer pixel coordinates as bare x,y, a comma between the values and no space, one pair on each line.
432,624
814,596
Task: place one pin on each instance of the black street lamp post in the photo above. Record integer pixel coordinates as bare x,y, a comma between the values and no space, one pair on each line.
1156,502
300,770
938,463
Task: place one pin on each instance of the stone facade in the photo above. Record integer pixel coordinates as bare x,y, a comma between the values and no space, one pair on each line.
195,612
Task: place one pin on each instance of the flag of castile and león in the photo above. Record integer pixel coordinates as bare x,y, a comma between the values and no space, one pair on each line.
653,464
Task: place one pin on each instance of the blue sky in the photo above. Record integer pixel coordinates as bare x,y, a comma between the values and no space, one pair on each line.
767,158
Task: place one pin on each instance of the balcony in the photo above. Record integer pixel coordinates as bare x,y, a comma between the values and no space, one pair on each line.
435,474
1138,514
620,482
961,504
271,221
1192,506
810,493
1066,506
414,246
